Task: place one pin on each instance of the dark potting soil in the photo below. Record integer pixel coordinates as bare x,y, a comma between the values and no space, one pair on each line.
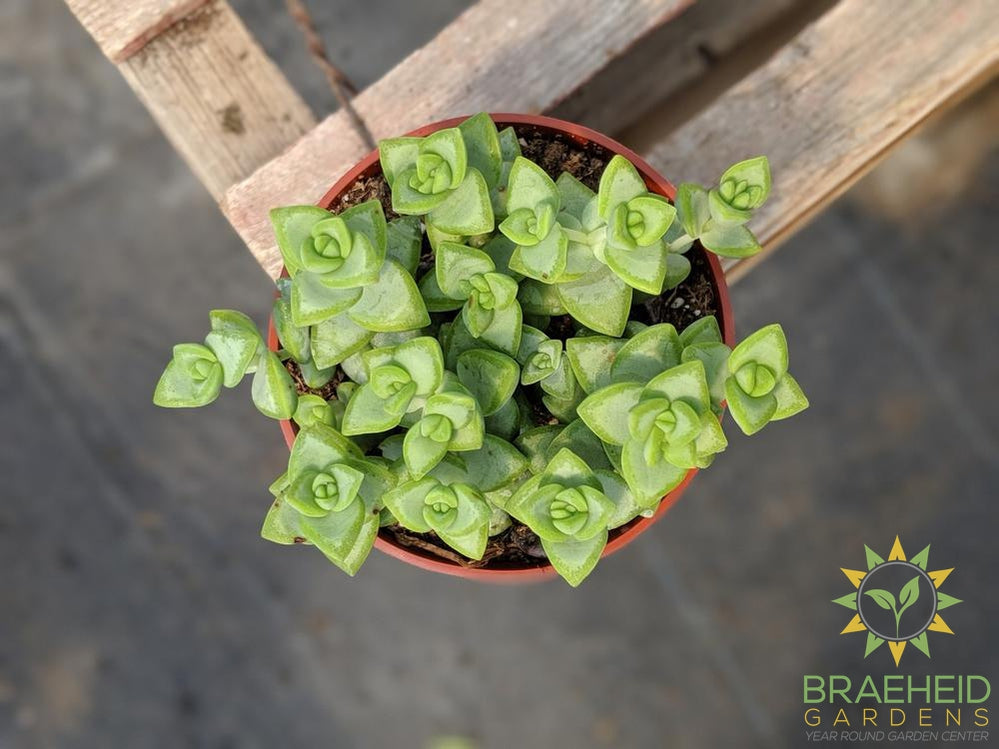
326,392
694,298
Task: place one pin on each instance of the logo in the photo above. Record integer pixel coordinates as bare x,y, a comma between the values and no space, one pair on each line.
897,601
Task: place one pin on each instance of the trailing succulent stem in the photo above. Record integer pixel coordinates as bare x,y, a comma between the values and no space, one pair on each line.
443,398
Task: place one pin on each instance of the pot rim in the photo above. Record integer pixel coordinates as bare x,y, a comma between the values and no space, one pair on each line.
657,184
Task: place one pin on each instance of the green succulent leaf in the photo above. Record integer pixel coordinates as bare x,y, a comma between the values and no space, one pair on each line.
578,438
767,346
599,300
575,560
421,359
561,384
335,339
509,151
368,412
294,339
425,445
619,183
473,543
367,219
292,227
544,261
344,258
704,330
456,265
539,355
647,354
649,481
407,200
235,341
714,357
529,186
335,533
392,303
534,443
318,446
496,464
314,377
730,240
685,381
435,299
282,524
579,260
641,267
592,359
482,144
751,414
465,429
313,409
501,249
574,196
692,209
606,411
192,378
491,377
615,488
404,242
447,146
724,213
273,390
647,218
467,210
397,155
406,502
537,298
456,339
471,512
563,409
506,422
569,470
500,328
790,398
677,270
312,301
746,185
363,543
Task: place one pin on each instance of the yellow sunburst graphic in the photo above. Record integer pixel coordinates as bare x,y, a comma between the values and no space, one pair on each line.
898,618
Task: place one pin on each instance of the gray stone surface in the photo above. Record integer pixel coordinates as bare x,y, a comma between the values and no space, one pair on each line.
138,608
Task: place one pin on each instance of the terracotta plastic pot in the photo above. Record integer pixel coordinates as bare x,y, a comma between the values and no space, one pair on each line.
619,537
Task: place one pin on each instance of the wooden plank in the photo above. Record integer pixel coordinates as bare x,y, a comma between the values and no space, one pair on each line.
500,55
218,97
677,55
122,27
834,101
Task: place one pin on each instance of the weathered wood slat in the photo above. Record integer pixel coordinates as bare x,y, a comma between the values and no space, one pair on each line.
834,101
122,27
671,57
218,97
500,55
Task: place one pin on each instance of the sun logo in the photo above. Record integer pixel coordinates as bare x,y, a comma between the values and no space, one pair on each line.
897,601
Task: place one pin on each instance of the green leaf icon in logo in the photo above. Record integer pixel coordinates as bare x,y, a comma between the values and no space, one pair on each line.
882,598
906,597
909,595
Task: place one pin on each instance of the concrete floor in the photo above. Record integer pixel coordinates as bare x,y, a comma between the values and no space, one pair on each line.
138,607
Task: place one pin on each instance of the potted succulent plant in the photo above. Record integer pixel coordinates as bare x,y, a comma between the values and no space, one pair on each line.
501,348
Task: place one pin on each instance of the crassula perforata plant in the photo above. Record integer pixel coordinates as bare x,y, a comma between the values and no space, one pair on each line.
481,359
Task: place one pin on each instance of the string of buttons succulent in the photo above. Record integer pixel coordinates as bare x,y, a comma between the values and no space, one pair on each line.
454,405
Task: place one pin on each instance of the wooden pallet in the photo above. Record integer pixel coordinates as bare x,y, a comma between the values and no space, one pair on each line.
825,107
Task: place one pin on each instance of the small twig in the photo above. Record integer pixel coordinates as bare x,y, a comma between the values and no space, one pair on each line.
343,89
